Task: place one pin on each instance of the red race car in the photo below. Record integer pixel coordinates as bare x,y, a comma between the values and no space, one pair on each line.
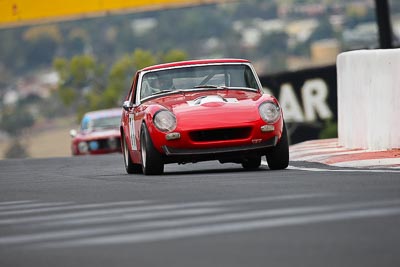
99,133
191,111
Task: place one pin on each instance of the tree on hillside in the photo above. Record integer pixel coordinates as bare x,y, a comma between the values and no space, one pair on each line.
11,61
85,84
77,41
14,121
121,73
174,55
41,44
16,150
82,80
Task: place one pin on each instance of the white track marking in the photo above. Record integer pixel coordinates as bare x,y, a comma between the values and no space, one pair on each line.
149,208
17,202
341,170
34,206
158,222
229,227
324,150
55,207
92,235
377,163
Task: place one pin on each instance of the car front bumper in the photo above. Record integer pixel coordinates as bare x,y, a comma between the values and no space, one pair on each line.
181,155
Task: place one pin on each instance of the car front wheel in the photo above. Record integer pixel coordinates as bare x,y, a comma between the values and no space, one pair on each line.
152,162
130,167
278,157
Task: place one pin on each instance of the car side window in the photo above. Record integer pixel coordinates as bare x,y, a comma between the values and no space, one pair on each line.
85,123
249,78
132,93
146,89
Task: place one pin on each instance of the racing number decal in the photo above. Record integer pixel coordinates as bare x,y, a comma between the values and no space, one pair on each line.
132,131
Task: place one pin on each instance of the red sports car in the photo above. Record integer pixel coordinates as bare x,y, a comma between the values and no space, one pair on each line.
99,133
201,110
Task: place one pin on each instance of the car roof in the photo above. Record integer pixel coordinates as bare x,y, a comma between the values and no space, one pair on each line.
103,113
195,62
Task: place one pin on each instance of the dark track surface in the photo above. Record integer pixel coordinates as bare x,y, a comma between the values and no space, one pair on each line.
86,211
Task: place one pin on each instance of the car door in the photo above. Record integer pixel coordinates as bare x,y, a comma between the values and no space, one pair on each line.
128,121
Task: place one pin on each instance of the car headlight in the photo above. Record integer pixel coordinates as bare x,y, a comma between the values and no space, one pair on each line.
83,147
93,145
269,112
165,121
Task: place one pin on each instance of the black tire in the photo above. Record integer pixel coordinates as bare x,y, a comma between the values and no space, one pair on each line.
152,162
278,157
251,163
130,167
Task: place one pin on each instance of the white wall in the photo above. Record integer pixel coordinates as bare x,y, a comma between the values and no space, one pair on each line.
369,99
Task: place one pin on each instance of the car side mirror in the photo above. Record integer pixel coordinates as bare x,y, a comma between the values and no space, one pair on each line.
73,133
128,105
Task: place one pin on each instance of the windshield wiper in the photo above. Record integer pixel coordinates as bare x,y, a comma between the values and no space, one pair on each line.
169,91
210,86
163,91
205,86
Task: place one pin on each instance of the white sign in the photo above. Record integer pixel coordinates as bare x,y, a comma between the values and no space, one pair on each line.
314,94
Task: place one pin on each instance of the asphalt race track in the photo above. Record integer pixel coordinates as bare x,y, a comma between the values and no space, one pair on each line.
86,211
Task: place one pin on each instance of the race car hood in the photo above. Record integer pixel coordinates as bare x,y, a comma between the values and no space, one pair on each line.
216,108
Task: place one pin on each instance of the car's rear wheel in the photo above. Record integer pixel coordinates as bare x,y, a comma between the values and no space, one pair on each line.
152,162
278,157
130,167
251,163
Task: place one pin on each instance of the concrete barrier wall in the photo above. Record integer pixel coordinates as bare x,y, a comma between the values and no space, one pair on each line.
369,99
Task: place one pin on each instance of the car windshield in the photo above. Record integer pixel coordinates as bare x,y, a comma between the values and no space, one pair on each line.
101,123
188,78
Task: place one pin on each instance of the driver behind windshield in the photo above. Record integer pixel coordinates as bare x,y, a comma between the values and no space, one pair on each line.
165,83
153,84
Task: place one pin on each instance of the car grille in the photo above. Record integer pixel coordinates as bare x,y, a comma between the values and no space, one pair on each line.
220,134
105,144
